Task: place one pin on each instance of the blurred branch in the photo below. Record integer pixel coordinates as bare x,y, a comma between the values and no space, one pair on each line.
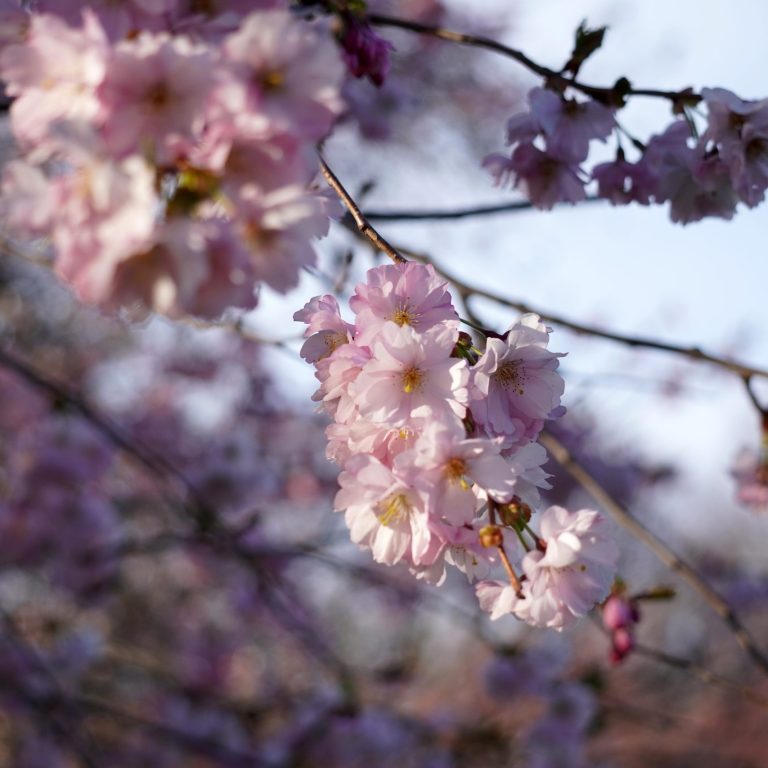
759,407
613,95
673,561
702,673
154,463
48,703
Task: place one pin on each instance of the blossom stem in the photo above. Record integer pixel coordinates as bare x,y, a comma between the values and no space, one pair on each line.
539,542
526,545
513,577
514,580
478,328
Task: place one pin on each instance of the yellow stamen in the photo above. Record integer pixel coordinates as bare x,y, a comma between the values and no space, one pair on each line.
509,375
412,380
333,342
271,81
393,509
403,315
455,469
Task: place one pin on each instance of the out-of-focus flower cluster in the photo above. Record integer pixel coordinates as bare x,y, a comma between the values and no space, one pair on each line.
750,470
700,174
168,148
437,440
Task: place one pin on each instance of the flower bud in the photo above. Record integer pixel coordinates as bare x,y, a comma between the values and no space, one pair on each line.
491,536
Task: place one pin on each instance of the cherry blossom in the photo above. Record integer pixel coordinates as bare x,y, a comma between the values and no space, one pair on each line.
572,574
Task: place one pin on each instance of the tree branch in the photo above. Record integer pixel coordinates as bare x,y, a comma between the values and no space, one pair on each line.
357,215
458,213
673,561
692,353
613,95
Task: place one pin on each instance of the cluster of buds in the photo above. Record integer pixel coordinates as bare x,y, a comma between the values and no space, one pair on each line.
437,440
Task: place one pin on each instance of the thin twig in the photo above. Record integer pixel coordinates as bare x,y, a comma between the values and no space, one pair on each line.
563,456
361,222
702,673
693,353
613,95
155,464
759,407
458,213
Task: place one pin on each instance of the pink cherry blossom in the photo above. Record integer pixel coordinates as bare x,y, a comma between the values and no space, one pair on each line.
449,464
572,574
383,512
496,598
156,88
696,185
545,178
623,182
412,376
569,125
515,385
527,462
277,227
195,266
105,214
54,75
325,328
409,294
337,374
286,77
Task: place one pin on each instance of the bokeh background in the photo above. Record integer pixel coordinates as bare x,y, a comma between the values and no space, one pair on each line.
140,627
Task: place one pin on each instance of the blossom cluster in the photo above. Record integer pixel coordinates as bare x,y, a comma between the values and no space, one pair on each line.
437,443
750,471
167,152
698,175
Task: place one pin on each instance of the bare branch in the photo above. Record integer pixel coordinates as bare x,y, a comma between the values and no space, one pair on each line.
692,353
459,213
673,561
613,95
358,217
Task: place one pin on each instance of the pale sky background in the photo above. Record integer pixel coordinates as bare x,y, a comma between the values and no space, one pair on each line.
629,269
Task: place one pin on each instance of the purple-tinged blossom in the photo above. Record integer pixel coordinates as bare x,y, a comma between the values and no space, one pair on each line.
515,386
545,179
569,125
365,53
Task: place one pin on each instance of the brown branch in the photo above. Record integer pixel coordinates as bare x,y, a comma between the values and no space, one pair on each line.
693,353
358,217
673,561
159,467
702,673
460,213
759,407
613,95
